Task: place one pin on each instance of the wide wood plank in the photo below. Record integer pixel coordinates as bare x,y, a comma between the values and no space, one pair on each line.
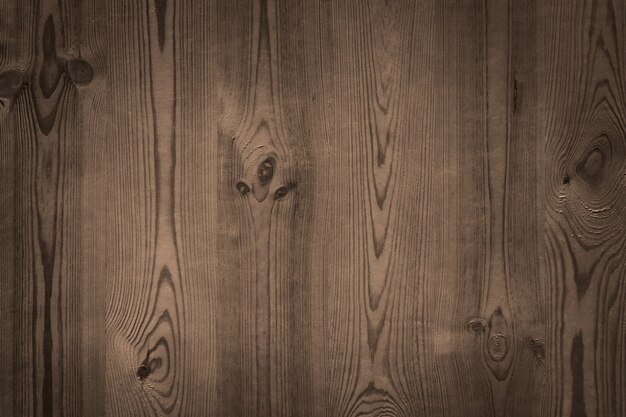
265,140
584,127
393,311
46,84
161,192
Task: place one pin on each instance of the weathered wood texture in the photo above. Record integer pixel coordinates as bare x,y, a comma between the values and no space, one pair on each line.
313,208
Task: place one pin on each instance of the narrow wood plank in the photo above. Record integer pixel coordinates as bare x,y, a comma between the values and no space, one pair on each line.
96,125
524,221
197,179
15,293
513,302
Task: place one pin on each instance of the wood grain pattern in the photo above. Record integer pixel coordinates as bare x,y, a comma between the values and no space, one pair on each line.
312,208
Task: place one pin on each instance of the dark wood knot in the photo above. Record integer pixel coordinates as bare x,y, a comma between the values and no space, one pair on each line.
10,83
590,169
476,325
566,179
538,349
143,371
243,188
265,171
498,347
280,192
593,163
80,71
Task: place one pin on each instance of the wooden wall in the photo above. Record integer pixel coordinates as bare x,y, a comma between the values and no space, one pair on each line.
313,208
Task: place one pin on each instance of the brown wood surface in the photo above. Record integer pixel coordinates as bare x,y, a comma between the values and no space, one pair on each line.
313,208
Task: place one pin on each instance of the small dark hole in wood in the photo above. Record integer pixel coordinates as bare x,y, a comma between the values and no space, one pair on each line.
566,179
143,372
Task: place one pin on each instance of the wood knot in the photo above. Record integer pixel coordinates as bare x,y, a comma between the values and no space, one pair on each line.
566,179
265,171
52,66
476,325
538,349
143,371
10,83
243,188
280,192
591,167
80,71
498,347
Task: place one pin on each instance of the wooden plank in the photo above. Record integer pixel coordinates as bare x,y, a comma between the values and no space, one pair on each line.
584,244
514,338
95,264
264,143
161,199
45,81
403,239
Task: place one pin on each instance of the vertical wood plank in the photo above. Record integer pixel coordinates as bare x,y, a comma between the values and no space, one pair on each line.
404,91
95,117
514,338
525,216
197,195
266,183
584,127
44,91
162,198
